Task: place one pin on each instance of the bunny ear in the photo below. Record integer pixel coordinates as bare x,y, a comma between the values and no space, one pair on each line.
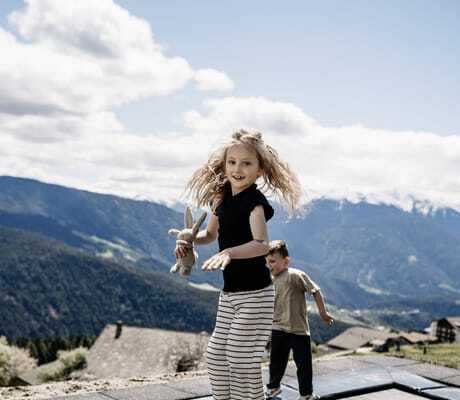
198,223
173,232
188,219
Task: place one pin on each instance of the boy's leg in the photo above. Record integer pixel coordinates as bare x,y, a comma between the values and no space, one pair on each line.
301,347
279,356
216,354
248,335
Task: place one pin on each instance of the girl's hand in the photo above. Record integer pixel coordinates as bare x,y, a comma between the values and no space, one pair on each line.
219,260
181,249
327,318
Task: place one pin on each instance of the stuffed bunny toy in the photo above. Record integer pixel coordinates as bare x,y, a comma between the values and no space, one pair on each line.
186,237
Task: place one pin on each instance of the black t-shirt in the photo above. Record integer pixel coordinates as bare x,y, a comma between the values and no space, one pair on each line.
234,229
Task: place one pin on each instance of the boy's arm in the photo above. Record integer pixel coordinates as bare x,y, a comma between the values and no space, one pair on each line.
311,287
323,313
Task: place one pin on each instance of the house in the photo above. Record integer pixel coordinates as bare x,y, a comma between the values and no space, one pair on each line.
357,336
125,351
416,338
401,339
446,329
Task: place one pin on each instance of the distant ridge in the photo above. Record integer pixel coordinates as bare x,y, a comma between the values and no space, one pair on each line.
106,225
400,266
48,289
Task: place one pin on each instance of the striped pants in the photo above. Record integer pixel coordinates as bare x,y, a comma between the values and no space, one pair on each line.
236,347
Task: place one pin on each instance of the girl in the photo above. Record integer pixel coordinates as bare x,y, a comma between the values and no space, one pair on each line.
226,183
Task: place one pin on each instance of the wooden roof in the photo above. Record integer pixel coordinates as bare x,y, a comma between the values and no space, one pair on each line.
358,336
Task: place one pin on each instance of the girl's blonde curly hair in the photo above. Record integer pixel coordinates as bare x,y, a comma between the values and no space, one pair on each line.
206,186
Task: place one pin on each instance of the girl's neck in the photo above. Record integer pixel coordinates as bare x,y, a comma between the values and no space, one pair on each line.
235,191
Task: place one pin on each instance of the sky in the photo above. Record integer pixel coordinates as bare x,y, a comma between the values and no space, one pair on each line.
129,97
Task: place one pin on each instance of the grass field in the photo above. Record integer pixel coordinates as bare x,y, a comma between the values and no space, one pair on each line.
441,354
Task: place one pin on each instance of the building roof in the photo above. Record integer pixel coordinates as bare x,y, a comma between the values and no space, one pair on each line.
416,337
454,321
358,336
143,351
33,376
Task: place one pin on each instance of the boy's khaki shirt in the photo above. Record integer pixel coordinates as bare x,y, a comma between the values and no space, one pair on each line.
290,306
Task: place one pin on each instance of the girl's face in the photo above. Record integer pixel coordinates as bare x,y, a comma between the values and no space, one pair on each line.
241,167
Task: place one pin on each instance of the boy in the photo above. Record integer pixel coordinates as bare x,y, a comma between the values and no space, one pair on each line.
290,323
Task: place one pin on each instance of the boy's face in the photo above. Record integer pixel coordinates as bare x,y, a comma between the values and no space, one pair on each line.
277,263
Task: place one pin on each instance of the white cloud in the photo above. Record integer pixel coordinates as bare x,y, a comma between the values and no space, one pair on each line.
88,56
99,155
353,162
62,78
406,169
63,73
210,79
57,128
100,28
231,113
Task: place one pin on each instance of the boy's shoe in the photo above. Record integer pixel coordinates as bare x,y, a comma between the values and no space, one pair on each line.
308,397
270,393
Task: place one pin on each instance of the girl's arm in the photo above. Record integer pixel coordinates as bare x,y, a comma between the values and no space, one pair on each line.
256,247
209,234
205,236
259,245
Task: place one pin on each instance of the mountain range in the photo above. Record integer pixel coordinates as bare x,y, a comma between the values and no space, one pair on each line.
49,289
364,256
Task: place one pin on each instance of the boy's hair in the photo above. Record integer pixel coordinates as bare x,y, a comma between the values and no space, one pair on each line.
206,186
278,246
